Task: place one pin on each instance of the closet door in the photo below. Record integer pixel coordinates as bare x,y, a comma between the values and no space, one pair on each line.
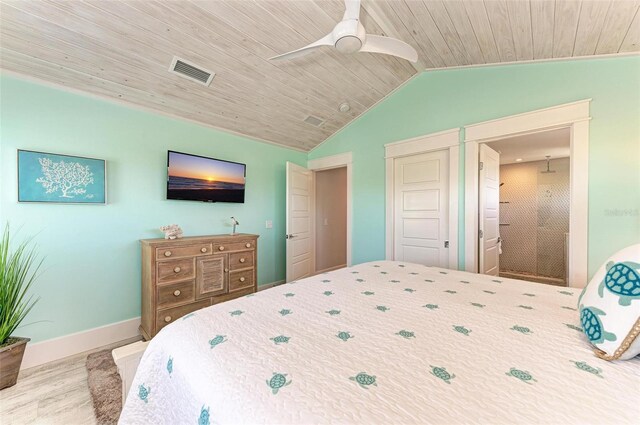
489,208
421,208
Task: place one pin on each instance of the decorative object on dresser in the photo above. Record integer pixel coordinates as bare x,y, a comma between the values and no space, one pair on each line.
183,275
171,231
235,223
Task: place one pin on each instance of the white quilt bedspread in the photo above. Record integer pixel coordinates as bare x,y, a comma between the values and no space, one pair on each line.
384,343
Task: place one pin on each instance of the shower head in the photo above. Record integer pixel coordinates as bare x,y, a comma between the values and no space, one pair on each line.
548,171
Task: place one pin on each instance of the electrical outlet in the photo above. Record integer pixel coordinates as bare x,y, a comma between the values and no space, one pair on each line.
269,224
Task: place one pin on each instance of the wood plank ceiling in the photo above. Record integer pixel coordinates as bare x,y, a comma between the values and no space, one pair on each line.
122,50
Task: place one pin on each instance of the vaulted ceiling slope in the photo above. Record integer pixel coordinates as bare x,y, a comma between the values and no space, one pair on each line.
123,49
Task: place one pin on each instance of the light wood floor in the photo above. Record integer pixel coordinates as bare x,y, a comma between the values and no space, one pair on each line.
54,393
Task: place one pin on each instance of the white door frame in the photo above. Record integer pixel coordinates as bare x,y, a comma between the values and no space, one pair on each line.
449,140
574,116
328,163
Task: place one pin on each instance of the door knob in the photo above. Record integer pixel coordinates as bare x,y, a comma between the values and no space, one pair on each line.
290,236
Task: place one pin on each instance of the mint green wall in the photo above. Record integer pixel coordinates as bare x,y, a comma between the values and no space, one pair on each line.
91,275
440,100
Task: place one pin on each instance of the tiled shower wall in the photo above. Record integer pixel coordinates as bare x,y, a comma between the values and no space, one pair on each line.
534,217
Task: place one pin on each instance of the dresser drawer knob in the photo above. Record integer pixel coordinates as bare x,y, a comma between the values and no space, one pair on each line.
177,270
226,270
248,245
167,253
203,249
221,248
242,260
242,279
167,319
177,293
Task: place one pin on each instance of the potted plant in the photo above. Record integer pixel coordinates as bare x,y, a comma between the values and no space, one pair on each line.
18,270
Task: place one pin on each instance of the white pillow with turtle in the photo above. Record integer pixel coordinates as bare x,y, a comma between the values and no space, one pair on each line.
610,306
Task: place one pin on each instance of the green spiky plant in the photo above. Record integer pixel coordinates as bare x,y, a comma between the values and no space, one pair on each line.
18,270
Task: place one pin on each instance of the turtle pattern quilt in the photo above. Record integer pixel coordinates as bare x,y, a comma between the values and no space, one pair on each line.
384,342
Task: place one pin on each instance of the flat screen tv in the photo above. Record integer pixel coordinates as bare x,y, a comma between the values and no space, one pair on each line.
198,178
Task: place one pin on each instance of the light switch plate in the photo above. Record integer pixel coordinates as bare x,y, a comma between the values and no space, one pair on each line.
269,224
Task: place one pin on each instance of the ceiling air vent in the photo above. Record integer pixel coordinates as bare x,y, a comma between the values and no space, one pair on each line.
315,121
191,71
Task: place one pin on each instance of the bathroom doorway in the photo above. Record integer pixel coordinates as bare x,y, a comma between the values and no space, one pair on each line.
533,213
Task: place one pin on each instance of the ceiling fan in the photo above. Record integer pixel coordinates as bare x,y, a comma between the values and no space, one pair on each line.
349,36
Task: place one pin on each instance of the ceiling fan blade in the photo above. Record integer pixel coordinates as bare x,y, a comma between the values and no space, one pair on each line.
351,9
389,46
327,40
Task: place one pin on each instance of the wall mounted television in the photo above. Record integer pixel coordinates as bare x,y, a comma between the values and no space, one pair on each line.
198,178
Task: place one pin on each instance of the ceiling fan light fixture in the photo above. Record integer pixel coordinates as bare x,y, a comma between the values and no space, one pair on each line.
344,107
348,44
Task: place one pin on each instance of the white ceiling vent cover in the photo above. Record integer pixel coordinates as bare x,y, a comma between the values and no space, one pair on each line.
315,121
191,71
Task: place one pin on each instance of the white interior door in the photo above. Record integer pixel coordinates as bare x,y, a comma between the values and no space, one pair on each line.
421,209
489,208
299,223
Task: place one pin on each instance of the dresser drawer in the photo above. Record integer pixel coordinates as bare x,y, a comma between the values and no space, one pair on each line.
174,270
241,260
170,315
235,246
177,293
183,251
240,280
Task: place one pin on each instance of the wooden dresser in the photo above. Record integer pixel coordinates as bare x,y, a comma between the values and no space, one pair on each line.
183,275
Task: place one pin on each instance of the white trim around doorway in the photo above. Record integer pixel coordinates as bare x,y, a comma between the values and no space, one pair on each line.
338,161
574,116
449,140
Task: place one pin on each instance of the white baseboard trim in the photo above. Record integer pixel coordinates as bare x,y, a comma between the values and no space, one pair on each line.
270,285
68,345
330,269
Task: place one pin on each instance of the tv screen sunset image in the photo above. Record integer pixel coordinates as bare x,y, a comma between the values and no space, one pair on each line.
197,178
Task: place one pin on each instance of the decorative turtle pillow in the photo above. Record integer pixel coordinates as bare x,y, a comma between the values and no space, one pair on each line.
610,306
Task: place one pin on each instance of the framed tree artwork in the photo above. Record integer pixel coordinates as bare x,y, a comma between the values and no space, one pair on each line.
48,177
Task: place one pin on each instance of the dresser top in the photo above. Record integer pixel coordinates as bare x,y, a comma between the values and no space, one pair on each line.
225,237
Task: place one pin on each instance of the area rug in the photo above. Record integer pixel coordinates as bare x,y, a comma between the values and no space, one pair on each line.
105,387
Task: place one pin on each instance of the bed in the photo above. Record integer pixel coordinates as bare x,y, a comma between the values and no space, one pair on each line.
384,342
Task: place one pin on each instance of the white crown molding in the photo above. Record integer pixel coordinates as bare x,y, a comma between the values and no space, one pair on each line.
130,105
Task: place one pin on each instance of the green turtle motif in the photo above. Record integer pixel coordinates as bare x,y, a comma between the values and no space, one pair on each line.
428,280
526,294
359,280
383,272
462,330
401,265
289,294
406,334
364,380
593,326
584,366
280,339
496,281
526,307
143,393
382,308
451,292
414,273
464,281
327,293
277,381
431,306
394,281
236,312
574,327
522,329
170,365
368,293
203,419
622,279
219,339
355,272
333,312
326,281
376,265
565,292
522,375
285,311
569,308
489,292
478,305
409,290
344,336
444,273
441,372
